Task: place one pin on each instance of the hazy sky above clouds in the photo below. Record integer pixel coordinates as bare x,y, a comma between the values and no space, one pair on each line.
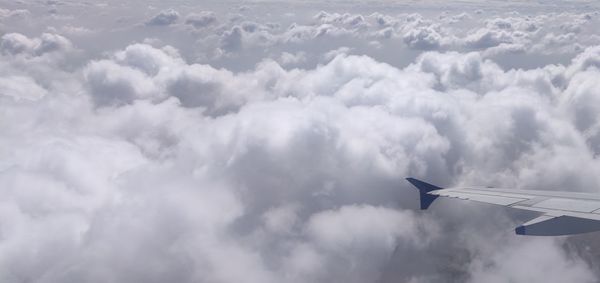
266,141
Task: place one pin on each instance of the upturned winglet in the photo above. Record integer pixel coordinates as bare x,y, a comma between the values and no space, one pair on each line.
424,189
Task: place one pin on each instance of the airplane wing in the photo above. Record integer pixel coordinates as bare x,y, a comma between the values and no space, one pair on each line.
563,213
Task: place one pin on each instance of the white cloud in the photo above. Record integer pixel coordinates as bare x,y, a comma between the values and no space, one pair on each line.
148,59
357,227
127,162
113,84
212,186
359,238
336,52
513,264
423,38
21,87
348,20
71,30
287,58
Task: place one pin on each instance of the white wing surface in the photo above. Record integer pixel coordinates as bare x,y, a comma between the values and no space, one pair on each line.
563,213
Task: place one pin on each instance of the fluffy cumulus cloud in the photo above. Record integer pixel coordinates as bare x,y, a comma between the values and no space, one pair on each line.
259,144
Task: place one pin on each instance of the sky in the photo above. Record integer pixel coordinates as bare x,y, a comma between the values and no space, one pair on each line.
268,141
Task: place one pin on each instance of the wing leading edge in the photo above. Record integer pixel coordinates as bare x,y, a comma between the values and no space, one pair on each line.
563,213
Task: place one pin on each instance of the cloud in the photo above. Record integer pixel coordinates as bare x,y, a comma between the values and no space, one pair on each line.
16,43
13,14
264,149
113,84
217,190
287,58
201,20
336,52
350,231
353,227
232,39
203,86
164,18
20,87
512,264
485,38
458,71
348,20
423,38
52,42
500,23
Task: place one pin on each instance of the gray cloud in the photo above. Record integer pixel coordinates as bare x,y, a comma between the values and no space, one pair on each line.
201,20
16,43
232,39
164,18
485,38
12,14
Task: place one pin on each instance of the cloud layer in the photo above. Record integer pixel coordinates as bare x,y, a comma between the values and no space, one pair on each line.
188,145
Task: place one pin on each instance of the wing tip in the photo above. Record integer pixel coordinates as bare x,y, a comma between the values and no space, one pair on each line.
424,188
